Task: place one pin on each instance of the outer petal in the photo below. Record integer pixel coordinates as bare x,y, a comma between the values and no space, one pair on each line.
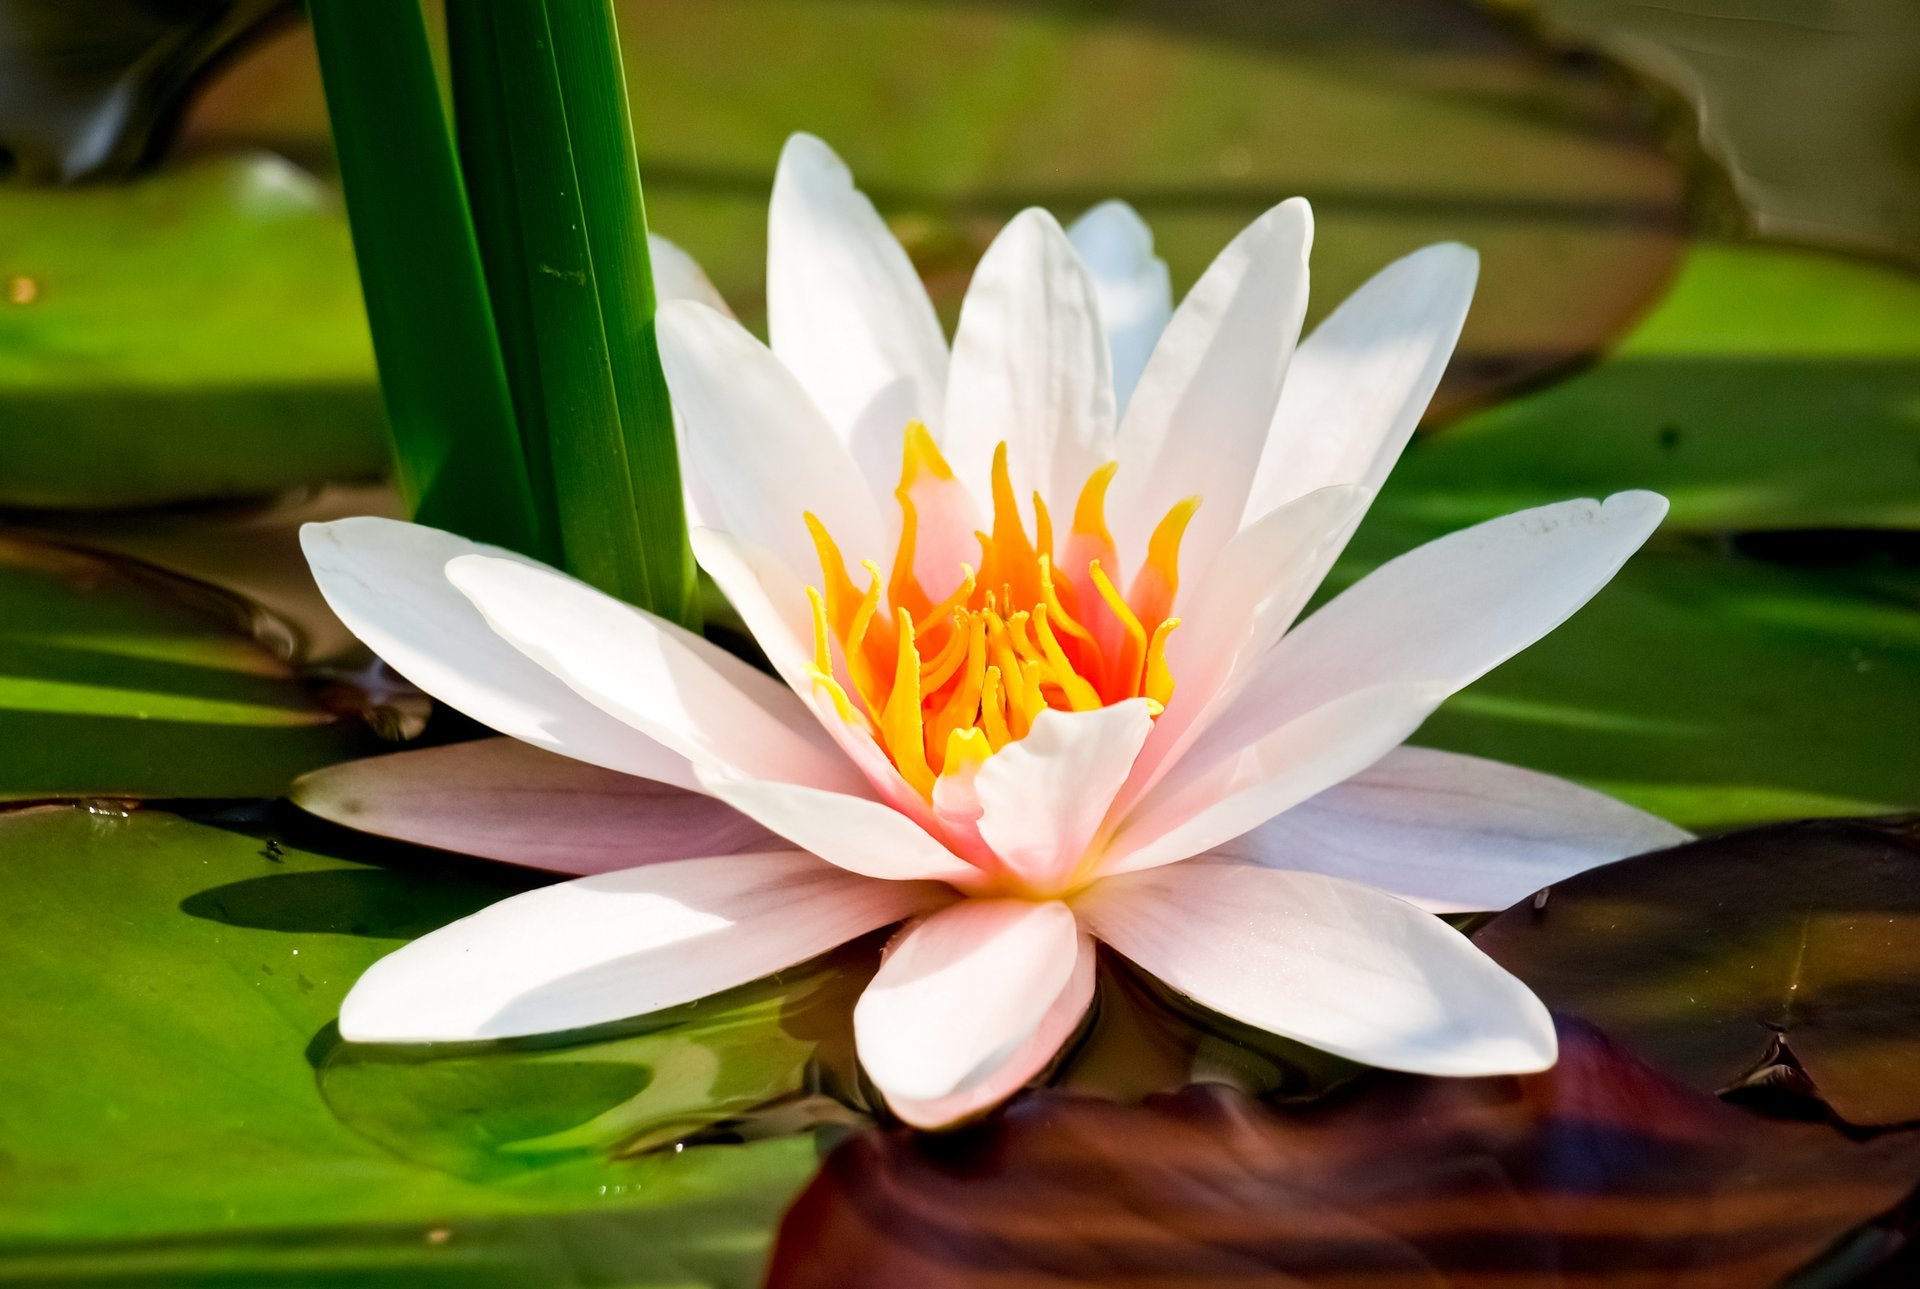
763,453
387,581
678,276
1361,381
1136,295
960,993
1239,605
854,833
1184,816
1443,614
614,945
1030,366
846,311
1022,1063
1453,833
690,695
1214,379
1042,798
1328,962
502,799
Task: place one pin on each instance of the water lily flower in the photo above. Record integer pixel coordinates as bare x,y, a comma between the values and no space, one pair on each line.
1034,605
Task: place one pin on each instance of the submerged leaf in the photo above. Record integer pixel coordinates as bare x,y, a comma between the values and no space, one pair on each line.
1792,948
1598,1173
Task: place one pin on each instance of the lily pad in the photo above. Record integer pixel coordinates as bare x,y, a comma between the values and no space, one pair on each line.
1596,1174
119,680
1770,389
198,334
1774,953
170,986
1425,122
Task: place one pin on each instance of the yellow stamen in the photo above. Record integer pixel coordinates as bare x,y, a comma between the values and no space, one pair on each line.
943,686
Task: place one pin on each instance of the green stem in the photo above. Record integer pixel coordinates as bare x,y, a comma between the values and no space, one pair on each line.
456,445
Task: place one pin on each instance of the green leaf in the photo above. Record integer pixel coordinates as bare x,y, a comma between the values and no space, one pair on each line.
1781,954
197,334
162,1121
456,445
1770,389
119,680
584,295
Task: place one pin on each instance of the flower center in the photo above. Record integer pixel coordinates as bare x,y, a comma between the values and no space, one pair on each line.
946,678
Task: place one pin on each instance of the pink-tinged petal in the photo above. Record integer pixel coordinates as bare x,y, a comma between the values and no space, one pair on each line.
614,945
678,276
687,693
1031,368
960,993
847,313
1214,379
1022,1064
1421,626
774,606
1239,605
762,452
1135,293
1189,813
855,833
1452,833
1360,382
503,799
386,580
1331,963
1042,798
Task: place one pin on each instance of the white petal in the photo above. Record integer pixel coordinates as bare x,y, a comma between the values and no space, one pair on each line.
855,833
387,581
663,680
1347,969
1453,833
1200,416
847,313
1412,632
615,945
761,450
1030,367
1136,295
1043,797
1361,381
774,606
1446,612
1188,813
1023,1062
502,799
1238,606
958,994
678,276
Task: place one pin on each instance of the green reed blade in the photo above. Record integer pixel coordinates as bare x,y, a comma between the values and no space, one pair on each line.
599,530
586,47
486,161
456,446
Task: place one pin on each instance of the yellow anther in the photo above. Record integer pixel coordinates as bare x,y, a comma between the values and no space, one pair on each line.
1157,684
902,724
993,711
935,674
1159,578
1135,650
1081,696
1090,512
954,603
967,750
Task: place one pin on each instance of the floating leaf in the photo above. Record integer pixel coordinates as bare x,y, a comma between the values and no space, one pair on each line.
169,986
119,680
1770,389
1764,952
1598,1173
198,334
